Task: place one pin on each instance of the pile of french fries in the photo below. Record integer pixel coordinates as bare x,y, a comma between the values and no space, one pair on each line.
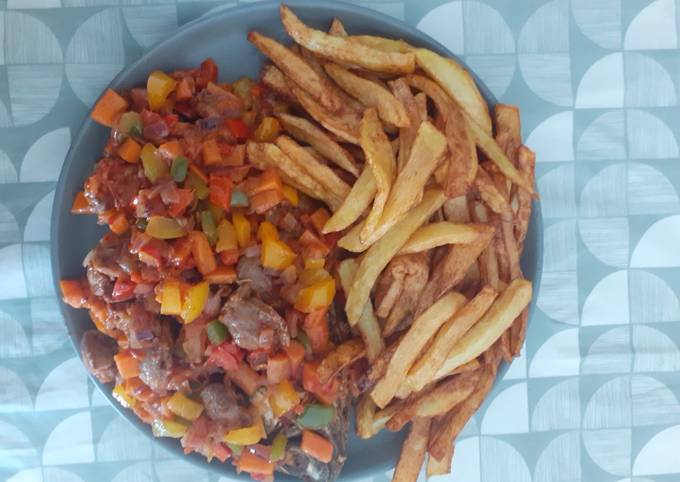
436,217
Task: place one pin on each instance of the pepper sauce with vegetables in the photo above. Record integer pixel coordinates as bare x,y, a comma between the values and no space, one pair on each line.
211,292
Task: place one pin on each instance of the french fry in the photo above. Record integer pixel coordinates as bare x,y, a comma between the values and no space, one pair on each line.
493,324
413,452
420,332
264,155
527,160
441,99
379,366
426,367
381,417
407,135
491,196
437,401
443,466
446,431
406,192
467,367
488,260
380,158
356,202
370,94
380,254
273,78
368,324
337,28
340,357
305,131
342,124
458,84
382,43
439,234
518,332
452,268
318,171
421,106
296,69
462,162
508,129
456,210
342,50
365,418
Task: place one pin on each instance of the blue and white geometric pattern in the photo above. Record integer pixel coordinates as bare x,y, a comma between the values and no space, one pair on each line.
595,395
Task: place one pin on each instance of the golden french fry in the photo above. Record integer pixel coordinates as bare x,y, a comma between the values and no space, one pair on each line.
421,106
296,69
381,417
438,234
527,161
407,135
273,78
380,254
305,131
337,28
370,94
489,272
441,99
342,50
462,163
458,84
490,195
407,190
356,202
318,171
508,129
426,367
380,158
368,324
382,43
343,124
456,210
413,452
365,416
420,332
340,357
379,365
511,250
437,401
518,332
452,268
264,155
493,324
467,367
443,466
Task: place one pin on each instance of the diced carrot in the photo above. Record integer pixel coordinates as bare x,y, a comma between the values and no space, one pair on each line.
202,252
316,446
73,293
211,152
130,150
128,366
264,201
312,383
221,275
246,378
119,224
171,149
220,452
319,218
296,353
268,180
81,205
278,368
109,108
251,463
229,257
316,328
220,191
181,250
198,171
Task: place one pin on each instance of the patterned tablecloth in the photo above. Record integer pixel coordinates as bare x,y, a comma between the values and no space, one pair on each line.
595,396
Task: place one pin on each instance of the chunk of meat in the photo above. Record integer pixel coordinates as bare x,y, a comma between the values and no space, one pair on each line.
250,270
222,405
97,351
247,317
113,184
399,287
214,101
155,368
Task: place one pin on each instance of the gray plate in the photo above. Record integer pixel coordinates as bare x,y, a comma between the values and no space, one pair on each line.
222,36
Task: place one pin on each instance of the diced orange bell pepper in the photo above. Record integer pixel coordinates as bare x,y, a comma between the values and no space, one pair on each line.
171,149
242,227
202,252
316,328
159,85
109,108
211,152
266,230
291,194
184,407
72,293
296,353
278,368
268,130
128,366
130,150
283,397
119,224
220,191
312,383
276,254
222,275
314,263
171,297
194,301
226,237
81,205
252,464
265,200
267,181
319,219
316,296
123,398
316,446
313,246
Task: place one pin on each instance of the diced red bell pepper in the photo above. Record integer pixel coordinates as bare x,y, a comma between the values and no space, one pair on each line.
227,356
220,191
312,383
123,289
238,128
229,257
208,72
184,199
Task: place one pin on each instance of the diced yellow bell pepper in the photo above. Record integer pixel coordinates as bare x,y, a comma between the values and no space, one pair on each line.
161,227
314,263
310,276
242,227
291,194
246,435
154,166
268,130
318,295
184,407
159,85
194,301
276,254
267,230
171,297
169,428
226,236
122,396
283,398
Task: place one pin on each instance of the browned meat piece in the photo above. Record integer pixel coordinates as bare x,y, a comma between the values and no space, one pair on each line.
247,318
97,351
250,270
214,101
222,405
399,287
113,184
155,368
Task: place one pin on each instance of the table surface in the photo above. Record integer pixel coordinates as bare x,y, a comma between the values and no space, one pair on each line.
594,396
